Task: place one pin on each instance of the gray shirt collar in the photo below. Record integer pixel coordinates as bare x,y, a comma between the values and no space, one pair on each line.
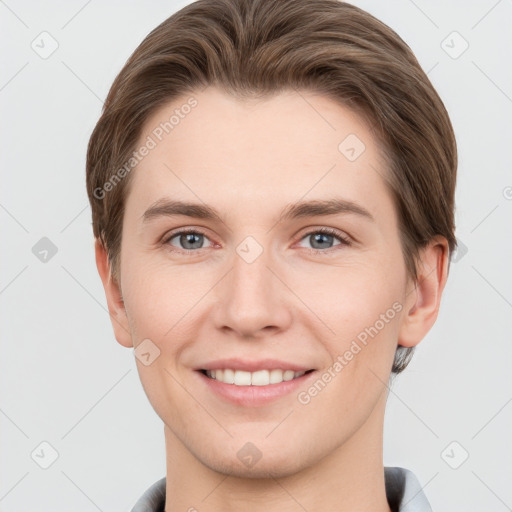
403,491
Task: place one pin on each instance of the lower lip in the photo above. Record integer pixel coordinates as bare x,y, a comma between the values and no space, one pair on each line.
254,396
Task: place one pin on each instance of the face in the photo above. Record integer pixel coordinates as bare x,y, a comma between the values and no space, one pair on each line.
300,262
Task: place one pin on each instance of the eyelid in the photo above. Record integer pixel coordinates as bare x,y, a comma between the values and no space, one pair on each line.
344,239
183,231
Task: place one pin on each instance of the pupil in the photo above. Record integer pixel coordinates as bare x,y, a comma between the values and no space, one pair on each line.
188,238
318,238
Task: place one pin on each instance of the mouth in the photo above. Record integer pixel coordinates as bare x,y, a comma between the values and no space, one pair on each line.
257,378
254,389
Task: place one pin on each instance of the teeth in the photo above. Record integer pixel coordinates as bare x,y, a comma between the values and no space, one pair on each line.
258,378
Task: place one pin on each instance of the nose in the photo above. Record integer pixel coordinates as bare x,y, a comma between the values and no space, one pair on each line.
252,300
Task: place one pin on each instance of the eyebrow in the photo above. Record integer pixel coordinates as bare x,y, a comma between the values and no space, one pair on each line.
169,208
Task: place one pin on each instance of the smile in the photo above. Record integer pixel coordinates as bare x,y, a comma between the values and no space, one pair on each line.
254,389
257,378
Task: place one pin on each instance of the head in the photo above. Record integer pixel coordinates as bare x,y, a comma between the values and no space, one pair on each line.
247,107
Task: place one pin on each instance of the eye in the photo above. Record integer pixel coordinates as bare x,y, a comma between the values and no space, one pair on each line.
192,240
322,239
186,240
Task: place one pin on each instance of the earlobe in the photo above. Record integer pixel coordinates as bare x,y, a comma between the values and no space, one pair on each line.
423,307
115,302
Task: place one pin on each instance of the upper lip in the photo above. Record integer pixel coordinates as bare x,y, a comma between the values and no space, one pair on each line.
252,365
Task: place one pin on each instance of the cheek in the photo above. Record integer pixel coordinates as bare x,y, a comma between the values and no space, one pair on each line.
158,297
348,296
159,305
356,317
363,310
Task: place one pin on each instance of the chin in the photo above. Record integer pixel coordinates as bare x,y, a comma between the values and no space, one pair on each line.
263,469
249,462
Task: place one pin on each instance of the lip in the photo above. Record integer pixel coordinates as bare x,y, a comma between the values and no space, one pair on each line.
254,396
251,365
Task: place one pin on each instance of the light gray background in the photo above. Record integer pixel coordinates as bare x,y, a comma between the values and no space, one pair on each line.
65,380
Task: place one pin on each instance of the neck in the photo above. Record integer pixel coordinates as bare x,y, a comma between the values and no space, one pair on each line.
350,478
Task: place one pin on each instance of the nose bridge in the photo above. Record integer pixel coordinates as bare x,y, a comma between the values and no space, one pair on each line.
251,276
250,299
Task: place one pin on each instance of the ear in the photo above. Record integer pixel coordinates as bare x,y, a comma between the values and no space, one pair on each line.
423,301
115,301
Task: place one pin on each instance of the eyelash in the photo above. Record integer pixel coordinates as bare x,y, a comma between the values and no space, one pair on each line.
344,241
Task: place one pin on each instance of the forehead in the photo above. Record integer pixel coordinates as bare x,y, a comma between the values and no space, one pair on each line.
296,144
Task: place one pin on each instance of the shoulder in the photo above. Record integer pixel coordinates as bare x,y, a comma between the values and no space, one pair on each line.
403,491
153,499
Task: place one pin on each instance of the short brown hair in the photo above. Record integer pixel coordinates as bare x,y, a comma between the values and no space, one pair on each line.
256,48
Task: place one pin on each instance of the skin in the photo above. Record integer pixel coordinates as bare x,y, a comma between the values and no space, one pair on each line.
249,160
